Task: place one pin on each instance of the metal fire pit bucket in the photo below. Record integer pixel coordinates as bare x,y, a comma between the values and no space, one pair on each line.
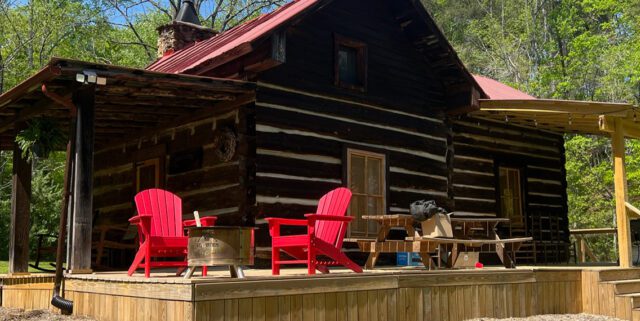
220,245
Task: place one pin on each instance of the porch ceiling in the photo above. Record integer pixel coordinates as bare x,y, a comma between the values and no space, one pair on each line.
560,116
133,101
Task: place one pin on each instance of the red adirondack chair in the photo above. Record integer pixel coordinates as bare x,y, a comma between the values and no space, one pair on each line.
161,231
325,233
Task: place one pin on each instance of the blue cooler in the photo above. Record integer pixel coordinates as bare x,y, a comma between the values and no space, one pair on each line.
408,259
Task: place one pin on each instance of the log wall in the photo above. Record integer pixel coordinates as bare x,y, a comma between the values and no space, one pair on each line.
304,123
217,187
480,146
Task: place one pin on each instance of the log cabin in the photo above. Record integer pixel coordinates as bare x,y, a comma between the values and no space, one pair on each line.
263,119
369,95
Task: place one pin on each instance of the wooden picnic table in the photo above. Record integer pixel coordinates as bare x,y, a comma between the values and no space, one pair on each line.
466,232
382,245
468,227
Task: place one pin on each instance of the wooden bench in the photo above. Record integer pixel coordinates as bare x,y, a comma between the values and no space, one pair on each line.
505,248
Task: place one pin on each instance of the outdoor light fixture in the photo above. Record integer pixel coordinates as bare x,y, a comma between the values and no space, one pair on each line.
90,77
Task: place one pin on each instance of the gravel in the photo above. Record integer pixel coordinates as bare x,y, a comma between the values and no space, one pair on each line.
9,314
556,317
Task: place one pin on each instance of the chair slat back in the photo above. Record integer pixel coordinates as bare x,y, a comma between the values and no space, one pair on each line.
166,209
333,203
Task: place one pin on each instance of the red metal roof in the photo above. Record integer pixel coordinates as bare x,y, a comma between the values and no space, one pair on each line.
496,90
228,42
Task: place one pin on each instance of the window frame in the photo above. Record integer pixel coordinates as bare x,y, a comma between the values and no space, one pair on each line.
349,151
361,62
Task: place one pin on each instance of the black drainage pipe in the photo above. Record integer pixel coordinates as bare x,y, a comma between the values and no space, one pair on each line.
65,306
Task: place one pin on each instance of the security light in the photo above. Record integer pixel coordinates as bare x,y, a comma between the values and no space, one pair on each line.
90,77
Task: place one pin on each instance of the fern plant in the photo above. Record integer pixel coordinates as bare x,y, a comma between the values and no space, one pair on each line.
40,138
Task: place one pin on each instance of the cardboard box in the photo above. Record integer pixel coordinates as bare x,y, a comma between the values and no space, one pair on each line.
408,259
467,260
438,225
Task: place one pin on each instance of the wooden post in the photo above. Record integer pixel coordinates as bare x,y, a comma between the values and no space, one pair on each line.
581,249
20,213
82,224
620,181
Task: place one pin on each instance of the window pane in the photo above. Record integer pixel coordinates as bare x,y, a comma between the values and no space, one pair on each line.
374,169
510,193
357,174
348,65
357,209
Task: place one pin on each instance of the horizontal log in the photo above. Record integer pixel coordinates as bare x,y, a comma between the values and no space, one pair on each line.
351,131
404,199
117,196
299,144
465,178
488,129
283,210
493,145
416,182
473,165
290,188
204,178
475,206
514,157
538,187
208,201
297,167
469,192
345,109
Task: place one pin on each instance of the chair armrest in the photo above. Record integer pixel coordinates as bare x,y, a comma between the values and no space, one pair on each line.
204,221
286,221
323,217
140,219
275,222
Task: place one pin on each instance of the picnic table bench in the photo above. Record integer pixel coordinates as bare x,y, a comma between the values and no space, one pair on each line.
504,248
426,247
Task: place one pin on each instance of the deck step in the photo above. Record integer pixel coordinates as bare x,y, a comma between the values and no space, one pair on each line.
626,286
635,299
619,274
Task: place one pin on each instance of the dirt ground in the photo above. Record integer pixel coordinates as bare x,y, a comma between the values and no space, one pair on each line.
7,314
556,317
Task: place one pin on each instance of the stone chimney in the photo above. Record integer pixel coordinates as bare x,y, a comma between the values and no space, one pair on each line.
182,32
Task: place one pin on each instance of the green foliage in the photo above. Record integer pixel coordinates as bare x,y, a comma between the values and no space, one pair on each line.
568,49
109,31
41,137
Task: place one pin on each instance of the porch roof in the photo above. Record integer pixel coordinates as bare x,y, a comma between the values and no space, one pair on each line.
507,104
559,116
131,103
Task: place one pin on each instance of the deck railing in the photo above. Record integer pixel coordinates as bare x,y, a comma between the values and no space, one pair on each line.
583,250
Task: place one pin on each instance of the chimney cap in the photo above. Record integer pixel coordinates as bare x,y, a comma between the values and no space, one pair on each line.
188,13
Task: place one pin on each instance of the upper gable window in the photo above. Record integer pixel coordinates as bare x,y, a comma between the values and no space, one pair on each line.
350,63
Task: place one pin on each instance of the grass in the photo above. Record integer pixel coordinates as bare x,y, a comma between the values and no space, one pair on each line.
4,267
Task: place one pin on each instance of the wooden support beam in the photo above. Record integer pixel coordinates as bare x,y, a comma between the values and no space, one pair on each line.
630,128
552,106
620,182
82,224
632,210
20,213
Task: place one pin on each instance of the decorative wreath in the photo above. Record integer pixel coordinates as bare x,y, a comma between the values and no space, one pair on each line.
226,145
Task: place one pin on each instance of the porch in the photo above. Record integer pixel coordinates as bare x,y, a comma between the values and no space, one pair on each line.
381,294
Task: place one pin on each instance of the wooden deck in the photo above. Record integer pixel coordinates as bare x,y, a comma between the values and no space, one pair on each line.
382,294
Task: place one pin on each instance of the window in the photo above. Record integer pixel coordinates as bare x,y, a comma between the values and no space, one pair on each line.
511,195
350,63
366,179
148,167
147,174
